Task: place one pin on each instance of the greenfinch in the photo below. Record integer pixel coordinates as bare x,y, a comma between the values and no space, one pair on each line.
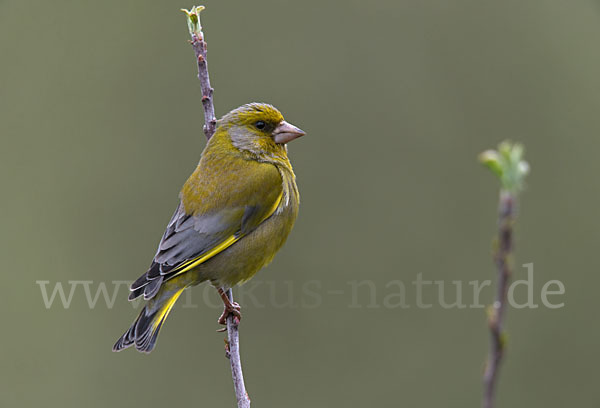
236,210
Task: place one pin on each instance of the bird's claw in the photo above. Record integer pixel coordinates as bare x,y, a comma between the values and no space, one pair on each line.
231,309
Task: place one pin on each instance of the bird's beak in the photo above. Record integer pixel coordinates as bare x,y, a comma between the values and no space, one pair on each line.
286,132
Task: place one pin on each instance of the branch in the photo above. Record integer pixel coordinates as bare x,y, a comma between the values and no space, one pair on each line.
210,123
508,165
199,46
497,311
233,354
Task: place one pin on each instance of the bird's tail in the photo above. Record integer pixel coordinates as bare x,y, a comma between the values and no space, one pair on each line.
144,330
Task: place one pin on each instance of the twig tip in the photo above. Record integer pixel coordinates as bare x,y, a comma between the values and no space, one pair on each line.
193,20
507,164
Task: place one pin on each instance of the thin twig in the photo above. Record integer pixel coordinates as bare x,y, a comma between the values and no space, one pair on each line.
508,165
210,123
506,212
199,46
234,358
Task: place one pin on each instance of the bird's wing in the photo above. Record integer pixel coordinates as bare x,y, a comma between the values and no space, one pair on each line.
196,234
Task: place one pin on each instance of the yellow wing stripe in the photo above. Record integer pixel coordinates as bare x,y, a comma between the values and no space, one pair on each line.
219,248
192,263
164,311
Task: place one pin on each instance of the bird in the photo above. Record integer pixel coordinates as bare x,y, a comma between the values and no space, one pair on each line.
235,212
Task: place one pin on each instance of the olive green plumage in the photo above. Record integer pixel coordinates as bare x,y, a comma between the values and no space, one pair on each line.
235,212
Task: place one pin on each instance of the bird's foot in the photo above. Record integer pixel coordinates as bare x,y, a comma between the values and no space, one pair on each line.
232,308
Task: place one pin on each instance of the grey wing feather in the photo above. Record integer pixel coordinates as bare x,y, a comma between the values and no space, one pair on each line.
186,237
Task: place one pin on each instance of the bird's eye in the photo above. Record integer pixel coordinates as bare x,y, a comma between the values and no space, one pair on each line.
260,125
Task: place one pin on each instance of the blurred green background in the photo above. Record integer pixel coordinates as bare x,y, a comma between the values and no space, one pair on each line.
100,118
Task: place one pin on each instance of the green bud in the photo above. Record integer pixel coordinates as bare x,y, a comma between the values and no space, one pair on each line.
193,20
507,164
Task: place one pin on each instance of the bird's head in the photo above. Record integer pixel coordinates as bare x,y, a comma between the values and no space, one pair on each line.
258,128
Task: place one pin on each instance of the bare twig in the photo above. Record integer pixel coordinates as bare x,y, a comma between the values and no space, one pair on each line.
234,358
498,309
199,46
508,165
210,123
